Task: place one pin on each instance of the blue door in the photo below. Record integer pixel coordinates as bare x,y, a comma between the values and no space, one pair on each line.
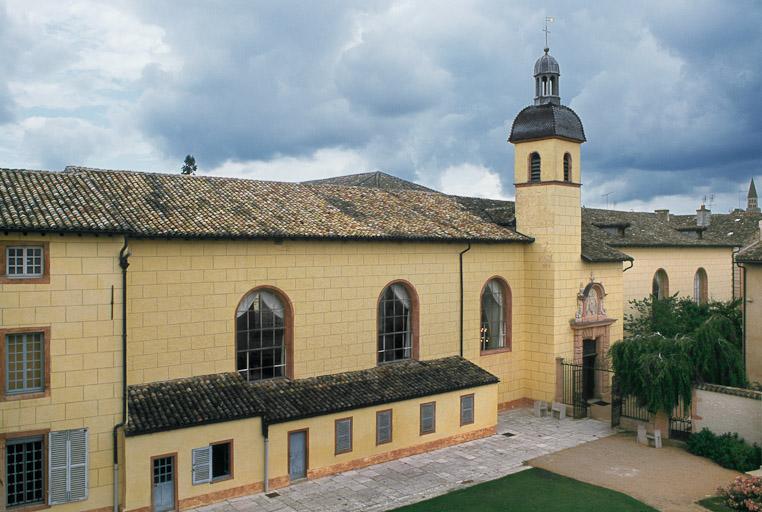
297,455
164,484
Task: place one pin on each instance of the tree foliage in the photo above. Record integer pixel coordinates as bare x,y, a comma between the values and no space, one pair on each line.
189,165
673,343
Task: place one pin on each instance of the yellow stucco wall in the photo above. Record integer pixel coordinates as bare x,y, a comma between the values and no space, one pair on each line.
555,272
681,265
247,459
183,297
248,456
754,322
84,346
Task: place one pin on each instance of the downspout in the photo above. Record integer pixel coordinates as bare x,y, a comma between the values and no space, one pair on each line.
266,435
461,295
743,324
732,271
124,254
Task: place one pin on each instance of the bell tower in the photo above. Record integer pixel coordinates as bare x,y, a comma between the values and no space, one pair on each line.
547,175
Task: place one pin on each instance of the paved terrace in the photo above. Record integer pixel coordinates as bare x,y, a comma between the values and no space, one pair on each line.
411,479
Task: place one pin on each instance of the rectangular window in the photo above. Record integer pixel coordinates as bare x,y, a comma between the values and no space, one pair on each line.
24,471
384,427
343,435
24,363
428,418
212,463
24,262
67,466
466,409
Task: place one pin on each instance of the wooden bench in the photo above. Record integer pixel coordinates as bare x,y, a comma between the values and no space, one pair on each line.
646,438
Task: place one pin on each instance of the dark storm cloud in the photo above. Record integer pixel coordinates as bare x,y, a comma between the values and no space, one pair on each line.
668,94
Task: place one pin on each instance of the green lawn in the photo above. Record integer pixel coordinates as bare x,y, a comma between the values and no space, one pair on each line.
715,504
531,490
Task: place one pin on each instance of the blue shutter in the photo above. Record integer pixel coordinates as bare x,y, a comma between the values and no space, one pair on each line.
67,466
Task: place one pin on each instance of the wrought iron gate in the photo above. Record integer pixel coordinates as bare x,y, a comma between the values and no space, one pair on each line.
578,380
616,402
680,424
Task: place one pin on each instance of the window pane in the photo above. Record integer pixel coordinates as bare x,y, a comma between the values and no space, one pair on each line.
24,362
343,435
427,418
24,471
466,409
394,324
220,460
261,337
383,427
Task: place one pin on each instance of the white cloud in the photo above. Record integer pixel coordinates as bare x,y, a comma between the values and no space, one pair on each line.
471,180
323,163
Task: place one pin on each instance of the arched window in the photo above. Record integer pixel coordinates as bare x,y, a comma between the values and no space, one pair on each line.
397,323
495,326
567,167
264,334
660,285
534,167
700,287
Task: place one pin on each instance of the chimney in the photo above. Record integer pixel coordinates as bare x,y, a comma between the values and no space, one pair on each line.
662,215
703,217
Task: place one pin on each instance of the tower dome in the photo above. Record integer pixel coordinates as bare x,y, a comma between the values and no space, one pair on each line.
546,64
546,76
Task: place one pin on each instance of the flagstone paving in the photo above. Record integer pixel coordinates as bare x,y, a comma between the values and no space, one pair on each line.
419,477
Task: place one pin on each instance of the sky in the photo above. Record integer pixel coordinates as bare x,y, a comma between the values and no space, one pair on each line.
669,92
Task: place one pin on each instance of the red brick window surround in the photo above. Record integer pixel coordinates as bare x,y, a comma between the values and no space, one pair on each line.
24,262
428,418
25,363
495,325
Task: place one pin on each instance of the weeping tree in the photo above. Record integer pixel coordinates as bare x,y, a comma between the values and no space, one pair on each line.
656,370
675,343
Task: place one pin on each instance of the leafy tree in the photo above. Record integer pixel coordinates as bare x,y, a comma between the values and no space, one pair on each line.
189,165
673,343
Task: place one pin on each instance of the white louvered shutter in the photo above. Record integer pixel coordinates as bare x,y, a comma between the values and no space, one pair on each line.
202,465
78,465
67,466
58,467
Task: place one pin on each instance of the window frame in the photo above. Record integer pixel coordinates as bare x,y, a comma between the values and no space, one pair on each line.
336,450
530,178
663,284
703,286
43,278
19,437
45,392
391,426
414,320
567,167
288,330
472,396
433,418
507,316
231,451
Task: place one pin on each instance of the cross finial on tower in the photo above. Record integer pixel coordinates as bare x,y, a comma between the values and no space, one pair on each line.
548,19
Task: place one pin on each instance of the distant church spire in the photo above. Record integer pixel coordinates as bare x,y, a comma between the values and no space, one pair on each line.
752,204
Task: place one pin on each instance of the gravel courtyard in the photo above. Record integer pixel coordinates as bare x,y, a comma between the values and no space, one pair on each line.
669,479
411,479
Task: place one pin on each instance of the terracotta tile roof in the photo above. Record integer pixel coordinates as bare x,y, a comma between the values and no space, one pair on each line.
376,179
193,401
739,227
752,254
180,403
162,205
285,400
